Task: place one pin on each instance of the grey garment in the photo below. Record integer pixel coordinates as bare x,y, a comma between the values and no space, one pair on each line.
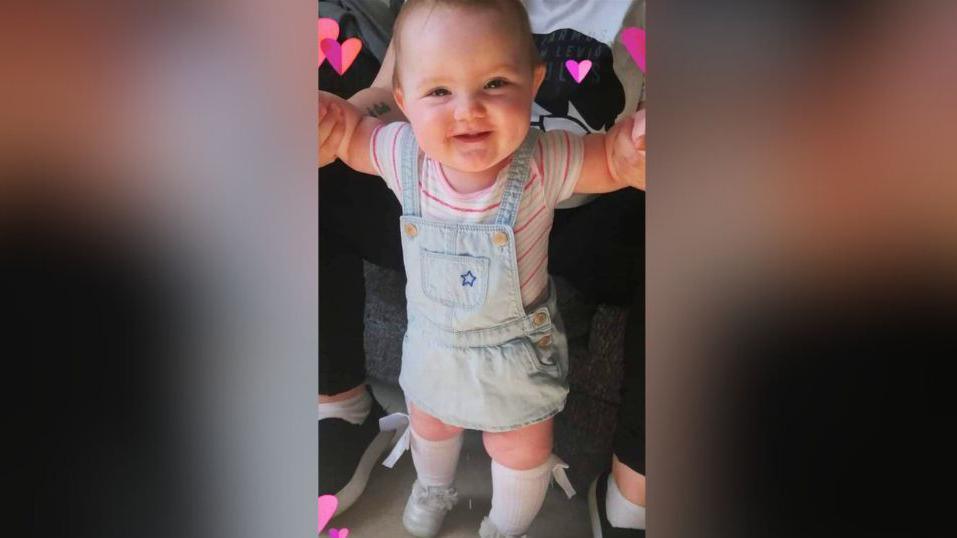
373,18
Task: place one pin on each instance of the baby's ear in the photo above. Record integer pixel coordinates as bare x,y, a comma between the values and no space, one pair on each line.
399,99
538,76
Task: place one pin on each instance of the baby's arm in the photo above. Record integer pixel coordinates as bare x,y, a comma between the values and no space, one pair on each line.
616,159
337,113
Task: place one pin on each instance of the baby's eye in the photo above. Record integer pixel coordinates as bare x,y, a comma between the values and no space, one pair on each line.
496,84
438,92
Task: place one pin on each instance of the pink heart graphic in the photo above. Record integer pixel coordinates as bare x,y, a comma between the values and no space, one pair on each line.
327,509
338,533
634,40
327,29
341,56
578,70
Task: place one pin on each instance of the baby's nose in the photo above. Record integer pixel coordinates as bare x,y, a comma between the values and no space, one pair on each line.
468,108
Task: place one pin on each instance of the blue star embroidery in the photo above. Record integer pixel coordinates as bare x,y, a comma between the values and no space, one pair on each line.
468,279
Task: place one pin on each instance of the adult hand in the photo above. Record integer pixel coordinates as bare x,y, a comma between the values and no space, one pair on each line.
331,127
628,151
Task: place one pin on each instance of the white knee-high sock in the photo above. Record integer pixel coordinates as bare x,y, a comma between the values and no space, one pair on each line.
354,410
517,496
621,512
435,461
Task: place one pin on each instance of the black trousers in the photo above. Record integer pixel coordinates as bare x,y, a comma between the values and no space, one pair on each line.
598,247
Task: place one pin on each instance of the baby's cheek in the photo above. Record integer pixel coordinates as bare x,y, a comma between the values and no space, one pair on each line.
523,103
432,137
432,123
516,114
423,121
432,140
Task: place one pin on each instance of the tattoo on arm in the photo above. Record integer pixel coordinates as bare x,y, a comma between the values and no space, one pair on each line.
378,110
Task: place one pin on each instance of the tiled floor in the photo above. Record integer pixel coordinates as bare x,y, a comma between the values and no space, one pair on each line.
378,513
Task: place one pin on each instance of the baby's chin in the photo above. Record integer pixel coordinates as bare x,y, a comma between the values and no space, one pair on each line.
474,163
472,167
477,160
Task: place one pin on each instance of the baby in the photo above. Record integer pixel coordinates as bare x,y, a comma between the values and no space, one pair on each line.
484,348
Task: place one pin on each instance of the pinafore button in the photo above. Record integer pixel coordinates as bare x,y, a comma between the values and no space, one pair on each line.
500,238
545,341
411,230
539,319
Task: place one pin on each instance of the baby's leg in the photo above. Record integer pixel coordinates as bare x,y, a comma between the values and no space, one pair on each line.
521,465
435,452
435,448
524,448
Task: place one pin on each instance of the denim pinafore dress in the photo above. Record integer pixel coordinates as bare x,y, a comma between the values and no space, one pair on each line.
472,356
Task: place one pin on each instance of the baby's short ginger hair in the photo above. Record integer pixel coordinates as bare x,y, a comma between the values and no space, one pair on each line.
510,10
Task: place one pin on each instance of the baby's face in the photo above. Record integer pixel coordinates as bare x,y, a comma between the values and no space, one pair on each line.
466,85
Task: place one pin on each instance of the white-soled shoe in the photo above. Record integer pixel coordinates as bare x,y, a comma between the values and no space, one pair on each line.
488,530
426,509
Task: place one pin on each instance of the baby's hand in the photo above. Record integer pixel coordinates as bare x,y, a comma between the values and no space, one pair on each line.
331,128
628,151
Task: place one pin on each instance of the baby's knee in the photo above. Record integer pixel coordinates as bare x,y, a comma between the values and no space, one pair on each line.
518,449
429,427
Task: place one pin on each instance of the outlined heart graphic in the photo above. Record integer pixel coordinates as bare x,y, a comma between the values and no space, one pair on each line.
634,40
341,56
327,509
338,533
578,69
327,29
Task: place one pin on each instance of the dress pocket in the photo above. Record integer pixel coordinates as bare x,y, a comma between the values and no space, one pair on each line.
456,281
542,354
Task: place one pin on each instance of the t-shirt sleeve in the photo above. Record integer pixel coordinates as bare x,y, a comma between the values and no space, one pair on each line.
384,153
560,161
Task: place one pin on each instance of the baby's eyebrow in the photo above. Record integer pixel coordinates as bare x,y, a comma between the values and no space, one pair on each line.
506,68
432,81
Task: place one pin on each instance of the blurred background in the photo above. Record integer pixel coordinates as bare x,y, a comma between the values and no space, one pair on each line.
158,267
800,267
158,263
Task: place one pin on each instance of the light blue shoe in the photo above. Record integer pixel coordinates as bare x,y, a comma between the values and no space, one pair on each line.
426,509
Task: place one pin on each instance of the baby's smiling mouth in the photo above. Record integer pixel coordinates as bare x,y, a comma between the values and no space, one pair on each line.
472,137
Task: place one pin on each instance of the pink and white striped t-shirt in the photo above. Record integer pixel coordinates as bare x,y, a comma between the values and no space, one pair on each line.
555,167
